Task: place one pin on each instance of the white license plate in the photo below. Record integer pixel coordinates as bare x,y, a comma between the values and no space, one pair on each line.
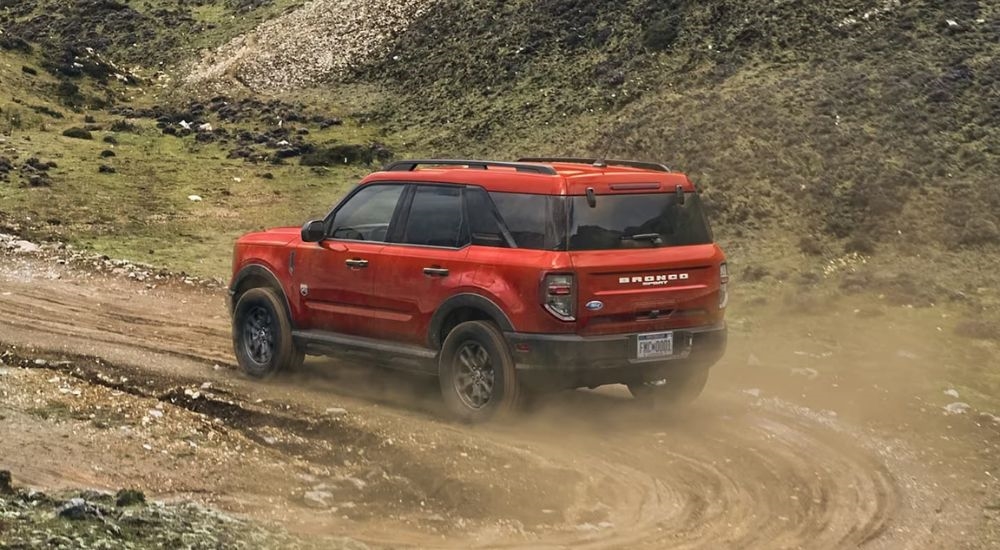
655,344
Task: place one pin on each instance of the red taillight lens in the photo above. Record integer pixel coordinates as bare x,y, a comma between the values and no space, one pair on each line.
559,296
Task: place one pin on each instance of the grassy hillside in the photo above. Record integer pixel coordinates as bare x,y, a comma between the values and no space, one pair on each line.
820,132
851,120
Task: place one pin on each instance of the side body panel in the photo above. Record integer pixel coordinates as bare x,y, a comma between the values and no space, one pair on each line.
407,297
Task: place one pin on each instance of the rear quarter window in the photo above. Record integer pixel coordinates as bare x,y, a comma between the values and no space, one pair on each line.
534,221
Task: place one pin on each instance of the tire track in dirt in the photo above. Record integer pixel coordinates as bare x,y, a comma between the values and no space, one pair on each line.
730,473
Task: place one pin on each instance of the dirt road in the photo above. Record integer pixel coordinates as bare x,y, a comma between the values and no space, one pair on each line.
127,385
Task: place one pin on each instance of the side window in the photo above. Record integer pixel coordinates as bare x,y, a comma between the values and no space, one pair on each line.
436,217
366,216
534,221
483,224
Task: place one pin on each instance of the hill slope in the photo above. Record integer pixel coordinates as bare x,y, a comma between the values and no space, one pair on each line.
815,129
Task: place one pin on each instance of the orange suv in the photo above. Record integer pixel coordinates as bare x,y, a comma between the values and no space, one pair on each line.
500,278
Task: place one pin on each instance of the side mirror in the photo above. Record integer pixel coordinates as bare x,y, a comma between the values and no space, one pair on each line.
314,231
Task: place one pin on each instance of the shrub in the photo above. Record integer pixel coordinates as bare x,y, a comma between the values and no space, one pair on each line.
662,33
77,133
345,154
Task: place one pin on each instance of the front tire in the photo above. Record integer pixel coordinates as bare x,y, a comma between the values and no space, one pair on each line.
476,372
679,388
262,334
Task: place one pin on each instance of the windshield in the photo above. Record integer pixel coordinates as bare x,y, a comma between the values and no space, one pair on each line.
637,221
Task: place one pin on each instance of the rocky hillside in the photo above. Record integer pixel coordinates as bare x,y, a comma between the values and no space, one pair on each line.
826,128
849,120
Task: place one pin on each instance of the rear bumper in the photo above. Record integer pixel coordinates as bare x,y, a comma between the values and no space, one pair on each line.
549,353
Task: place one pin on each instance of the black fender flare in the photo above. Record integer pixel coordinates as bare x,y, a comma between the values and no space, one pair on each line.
258,270
457,301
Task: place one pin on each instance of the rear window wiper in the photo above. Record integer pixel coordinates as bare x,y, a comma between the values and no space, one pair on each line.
651,237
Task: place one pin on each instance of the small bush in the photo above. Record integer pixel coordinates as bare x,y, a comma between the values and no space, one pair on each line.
345,154
77,133
980,231
978,329
68,89
862,244
124,126
811,245
754,273
662,33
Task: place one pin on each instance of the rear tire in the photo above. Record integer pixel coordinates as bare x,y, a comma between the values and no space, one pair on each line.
262,334
679,388
476,373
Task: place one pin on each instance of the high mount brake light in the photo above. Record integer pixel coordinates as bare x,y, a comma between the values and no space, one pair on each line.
559,295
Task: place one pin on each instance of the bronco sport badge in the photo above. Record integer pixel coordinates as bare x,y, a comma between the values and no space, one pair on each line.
654,280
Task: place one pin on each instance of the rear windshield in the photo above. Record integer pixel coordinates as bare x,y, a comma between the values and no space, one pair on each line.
545,222
637,221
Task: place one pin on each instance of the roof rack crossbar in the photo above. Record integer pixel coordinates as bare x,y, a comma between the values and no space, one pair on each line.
410,165
601,162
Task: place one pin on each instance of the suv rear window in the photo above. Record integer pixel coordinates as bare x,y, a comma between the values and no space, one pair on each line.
542,222
637,221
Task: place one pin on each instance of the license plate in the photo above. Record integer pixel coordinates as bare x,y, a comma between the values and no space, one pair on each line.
655,344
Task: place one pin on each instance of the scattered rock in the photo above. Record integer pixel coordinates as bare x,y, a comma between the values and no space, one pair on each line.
77,509
34,164
105,169
194,198
951,393
957,407
26,247
107,153
317,499
752,392
808,372
336,411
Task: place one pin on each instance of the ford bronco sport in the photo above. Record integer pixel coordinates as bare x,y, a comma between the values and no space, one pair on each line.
497,277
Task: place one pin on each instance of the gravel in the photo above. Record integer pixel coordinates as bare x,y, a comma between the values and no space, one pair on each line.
321,40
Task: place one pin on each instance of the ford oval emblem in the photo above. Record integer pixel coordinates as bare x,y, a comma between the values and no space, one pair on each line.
595,305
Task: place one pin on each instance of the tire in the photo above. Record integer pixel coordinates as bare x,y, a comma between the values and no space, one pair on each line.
678,389
476,373
262,334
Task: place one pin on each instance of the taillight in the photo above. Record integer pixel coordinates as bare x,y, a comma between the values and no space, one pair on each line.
559,295
723,285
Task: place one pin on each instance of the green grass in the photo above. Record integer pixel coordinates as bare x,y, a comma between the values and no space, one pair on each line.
142,211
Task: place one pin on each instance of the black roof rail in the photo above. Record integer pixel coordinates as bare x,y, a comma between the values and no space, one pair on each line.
410,165
655,166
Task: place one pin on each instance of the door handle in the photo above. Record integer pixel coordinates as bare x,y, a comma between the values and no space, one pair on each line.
436,272
357,263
